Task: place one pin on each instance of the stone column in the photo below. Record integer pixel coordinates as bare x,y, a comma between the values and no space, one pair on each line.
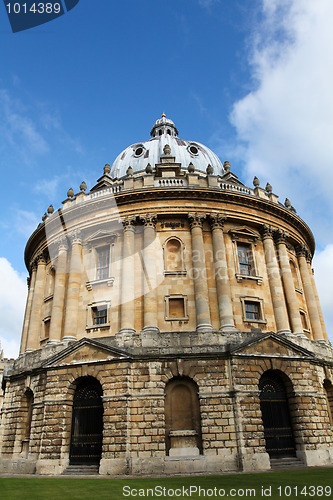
279,306
320,312
221,274
288,284
310,298
149,270
31,287
33,339
199,272
59,293
73,287
127,313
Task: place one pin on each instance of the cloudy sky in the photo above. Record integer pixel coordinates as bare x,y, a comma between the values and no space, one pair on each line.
252,79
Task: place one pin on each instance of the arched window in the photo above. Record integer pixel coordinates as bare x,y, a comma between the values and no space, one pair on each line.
27,406
160,132
329,397
276,416
182,417
29,399
87,423
295,275
173,256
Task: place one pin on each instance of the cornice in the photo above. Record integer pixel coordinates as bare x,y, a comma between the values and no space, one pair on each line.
133,197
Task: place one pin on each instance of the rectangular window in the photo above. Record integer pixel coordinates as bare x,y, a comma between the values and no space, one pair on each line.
245,259
252,310
103,263
100,315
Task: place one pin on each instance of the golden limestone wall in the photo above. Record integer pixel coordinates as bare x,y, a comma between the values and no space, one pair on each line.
64,288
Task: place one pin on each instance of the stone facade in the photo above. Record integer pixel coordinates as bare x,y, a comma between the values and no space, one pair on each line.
169,297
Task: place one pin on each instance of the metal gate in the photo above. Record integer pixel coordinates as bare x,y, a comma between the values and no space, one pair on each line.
87,423
276,419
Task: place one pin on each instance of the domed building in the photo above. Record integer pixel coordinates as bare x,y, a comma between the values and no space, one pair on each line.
172,326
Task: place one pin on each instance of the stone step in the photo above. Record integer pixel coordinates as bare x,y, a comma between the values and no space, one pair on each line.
81,470
288,462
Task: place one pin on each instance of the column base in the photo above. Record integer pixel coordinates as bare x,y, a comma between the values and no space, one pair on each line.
53,342
205,327
126,331
68,338
287,331
150,329
228,329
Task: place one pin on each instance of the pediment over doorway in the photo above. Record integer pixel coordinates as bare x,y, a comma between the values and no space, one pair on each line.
85,351
270,344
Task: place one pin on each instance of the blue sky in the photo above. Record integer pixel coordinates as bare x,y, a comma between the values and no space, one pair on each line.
251,79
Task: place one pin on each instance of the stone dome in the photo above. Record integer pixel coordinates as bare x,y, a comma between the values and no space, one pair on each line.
164,132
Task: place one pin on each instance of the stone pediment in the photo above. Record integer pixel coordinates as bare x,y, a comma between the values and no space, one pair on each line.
243,233
85,351
100,235
271,344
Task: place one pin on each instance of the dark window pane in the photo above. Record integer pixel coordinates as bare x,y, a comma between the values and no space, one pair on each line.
100,315
245,259
252,310
103,263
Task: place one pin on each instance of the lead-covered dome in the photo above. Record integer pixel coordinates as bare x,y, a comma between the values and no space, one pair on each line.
165,132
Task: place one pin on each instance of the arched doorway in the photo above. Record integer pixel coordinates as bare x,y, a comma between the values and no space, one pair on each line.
275,415
182,417
87,423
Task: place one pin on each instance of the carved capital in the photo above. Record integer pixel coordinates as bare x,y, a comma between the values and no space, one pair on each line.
76,237
61,243
129,223
196,219
217,221
281,236
266,231
149,220
303,251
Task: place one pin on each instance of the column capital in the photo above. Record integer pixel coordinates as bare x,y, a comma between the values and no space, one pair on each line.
267,231
39,259
61,243
217,220
281,236
149,220
128,223
75,237
196,219
303,251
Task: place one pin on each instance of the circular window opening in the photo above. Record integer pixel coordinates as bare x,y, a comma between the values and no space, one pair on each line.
138,151
193,150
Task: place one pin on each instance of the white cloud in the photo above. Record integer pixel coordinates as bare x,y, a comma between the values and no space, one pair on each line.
13,292
284,124
323,265
26,222
20,130
207,3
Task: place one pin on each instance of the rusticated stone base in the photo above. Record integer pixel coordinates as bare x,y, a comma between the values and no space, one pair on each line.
315,458
17,466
